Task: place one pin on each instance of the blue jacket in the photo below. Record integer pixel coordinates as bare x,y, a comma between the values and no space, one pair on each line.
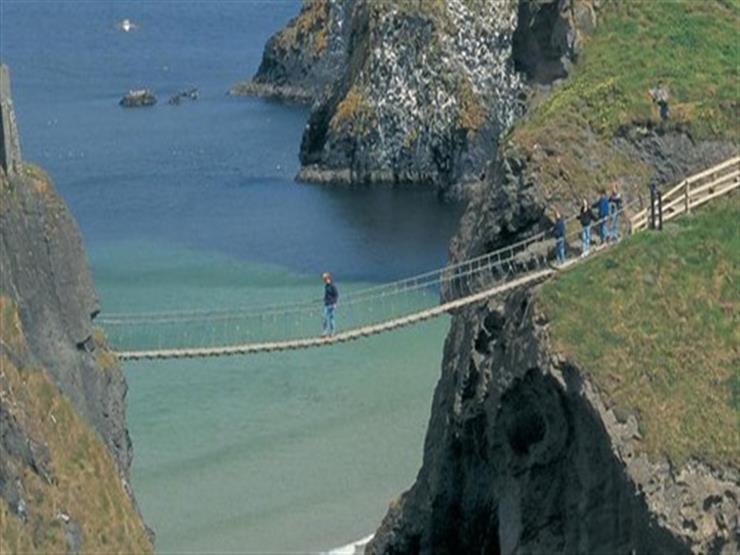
603,205
559,230
331,295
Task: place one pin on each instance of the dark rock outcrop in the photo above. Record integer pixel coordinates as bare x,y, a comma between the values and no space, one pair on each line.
138,99
415,93
10,147
524,456
549,34
303,58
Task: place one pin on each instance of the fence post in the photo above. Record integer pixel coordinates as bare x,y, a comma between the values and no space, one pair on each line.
660,211
652,205
686,196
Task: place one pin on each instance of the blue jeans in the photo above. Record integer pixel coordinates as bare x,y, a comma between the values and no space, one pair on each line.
560,250
603,234
586,239
614,226
330,324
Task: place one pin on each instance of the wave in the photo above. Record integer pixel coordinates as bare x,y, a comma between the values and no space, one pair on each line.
353,548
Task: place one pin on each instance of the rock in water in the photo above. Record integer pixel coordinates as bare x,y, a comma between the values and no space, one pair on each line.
417,95
138,98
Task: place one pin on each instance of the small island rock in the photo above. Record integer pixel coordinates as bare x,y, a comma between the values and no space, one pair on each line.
137,98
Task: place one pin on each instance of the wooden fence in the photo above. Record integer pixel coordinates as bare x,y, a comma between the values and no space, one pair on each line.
692,192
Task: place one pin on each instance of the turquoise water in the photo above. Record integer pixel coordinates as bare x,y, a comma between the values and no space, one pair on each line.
194,207
280,452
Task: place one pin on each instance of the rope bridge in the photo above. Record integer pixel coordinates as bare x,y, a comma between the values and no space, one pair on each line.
373,310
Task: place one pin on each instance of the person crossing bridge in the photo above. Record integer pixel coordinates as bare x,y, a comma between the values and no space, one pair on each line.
331,296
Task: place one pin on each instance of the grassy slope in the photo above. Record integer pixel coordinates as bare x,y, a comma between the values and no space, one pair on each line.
655,323
691,45
84,480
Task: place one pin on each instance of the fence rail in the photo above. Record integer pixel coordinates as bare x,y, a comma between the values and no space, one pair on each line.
692,192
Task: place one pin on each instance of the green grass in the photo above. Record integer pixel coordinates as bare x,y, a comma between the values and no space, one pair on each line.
654,323
691,45
84,479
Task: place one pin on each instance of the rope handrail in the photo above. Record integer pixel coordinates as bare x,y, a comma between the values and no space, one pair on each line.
391,305
510,280
110,318
125,318
115,318
441,276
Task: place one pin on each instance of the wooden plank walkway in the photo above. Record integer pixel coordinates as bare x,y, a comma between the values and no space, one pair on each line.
343,337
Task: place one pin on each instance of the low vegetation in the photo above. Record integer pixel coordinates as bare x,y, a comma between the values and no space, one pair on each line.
353,108
472,113
655,324
105,358
309,30
691,46
80,481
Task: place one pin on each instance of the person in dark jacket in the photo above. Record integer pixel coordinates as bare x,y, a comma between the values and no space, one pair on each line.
615,208
559,232
602,209
331,296
659,95
586,217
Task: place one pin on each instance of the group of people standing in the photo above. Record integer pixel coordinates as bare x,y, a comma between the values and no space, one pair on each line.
608,208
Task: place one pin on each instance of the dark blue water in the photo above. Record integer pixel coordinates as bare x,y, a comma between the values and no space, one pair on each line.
216,174
195,206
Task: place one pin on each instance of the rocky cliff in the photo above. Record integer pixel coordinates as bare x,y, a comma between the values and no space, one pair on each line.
533,444
303,58
415,93
65,452
524,454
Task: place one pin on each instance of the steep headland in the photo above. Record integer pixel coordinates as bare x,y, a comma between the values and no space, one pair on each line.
305,56
598,413
599,126
593,415
65,452
415,93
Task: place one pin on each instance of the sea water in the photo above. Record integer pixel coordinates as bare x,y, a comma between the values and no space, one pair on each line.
194,207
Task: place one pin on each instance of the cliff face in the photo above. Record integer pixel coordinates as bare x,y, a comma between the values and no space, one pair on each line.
64,448
527,181
45,274
524,455
417,92
424,97
525,451
598,127
303,58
